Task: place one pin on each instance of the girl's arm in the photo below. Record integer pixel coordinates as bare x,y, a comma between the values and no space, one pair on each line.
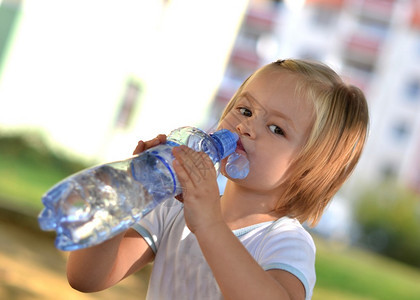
238,275
101,266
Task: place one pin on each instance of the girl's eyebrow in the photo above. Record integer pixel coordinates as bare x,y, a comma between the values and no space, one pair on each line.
255,104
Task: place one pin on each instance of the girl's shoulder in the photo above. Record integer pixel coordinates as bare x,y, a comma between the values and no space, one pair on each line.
283,230
289,227
287,224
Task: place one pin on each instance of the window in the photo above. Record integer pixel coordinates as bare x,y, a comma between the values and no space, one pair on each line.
388,171
412,89
325,17
401,131
128,104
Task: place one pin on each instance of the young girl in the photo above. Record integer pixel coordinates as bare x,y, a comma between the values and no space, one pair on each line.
302,130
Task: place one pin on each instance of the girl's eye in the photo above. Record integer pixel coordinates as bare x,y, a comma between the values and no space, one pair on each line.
276,130
245,111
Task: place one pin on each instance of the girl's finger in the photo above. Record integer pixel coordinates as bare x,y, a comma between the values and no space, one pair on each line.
160,139
202,163
183,176
185,161
139,148
142,146
152,143
197,165
208,165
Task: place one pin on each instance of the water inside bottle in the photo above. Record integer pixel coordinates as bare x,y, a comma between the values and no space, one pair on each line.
92,206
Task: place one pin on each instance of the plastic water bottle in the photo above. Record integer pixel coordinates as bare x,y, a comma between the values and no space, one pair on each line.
237,166
96,204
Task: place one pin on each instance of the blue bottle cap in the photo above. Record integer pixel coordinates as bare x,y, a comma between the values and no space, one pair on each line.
226,141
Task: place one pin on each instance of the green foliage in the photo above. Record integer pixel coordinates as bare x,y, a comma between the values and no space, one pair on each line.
28,169
355,274
389,219
33,151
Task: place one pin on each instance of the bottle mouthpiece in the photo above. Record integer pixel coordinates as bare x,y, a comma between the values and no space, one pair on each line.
225,141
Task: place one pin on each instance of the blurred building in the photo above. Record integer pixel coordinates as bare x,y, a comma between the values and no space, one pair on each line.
374,44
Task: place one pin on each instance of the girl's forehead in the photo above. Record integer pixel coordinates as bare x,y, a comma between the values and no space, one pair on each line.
271,77
274,84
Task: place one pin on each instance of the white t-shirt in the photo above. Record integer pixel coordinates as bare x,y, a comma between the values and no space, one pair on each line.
181,272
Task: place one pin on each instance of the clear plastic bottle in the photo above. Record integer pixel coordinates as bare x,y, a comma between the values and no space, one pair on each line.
237,166
96,204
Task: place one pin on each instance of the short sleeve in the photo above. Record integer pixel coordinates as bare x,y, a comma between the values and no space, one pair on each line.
152,226
291,248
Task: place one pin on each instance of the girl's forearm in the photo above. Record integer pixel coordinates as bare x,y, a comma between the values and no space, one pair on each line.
88,269
101,266
238,275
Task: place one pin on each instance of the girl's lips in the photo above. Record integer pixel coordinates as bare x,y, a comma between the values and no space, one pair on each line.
240,146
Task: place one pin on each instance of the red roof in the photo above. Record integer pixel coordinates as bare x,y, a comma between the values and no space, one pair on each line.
415,13
334,3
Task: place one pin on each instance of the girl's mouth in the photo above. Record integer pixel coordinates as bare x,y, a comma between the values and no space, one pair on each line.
240,146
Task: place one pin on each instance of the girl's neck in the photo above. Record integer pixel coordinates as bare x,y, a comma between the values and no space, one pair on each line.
242,207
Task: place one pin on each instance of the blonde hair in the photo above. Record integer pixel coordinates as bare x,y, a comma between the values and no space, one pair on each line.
335,142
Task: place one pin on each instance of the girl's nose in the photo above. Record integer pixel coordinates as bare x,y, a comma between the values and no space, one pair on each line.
245,129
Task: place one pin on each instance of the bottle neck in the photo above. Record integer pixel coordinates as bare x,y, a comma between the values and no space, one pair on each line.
226,142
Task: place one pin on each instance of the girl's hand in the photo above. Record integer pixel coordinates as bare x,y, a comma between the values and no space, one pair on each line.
201,198
142,146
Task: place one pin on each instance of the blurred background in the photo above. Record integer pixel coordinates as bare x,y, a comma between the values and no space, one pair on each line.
82,81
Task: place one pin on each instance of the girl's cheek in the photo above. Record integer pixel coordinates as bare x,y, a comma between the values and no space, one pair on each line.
229,122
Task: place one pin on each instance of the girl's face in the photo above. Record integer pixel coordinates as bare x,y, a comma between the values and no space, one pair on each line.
273,125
